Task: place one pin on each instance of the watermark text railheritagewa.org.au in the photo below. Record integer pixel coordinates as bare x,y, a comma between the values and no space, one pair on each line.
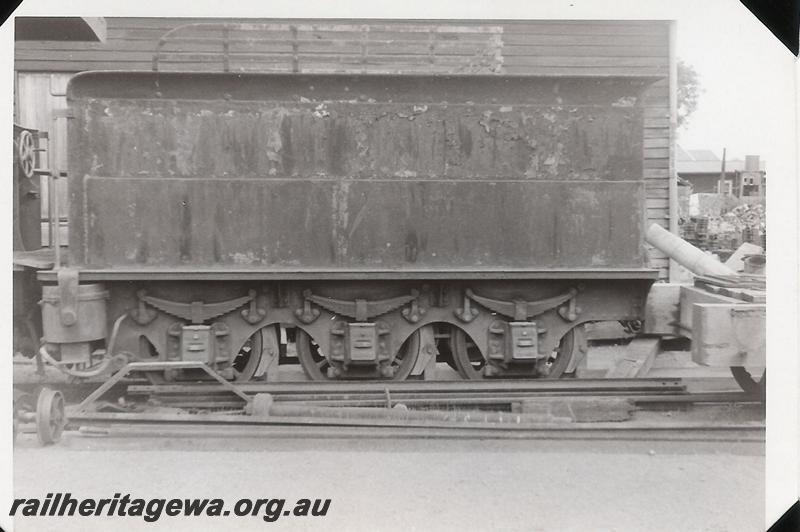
152,509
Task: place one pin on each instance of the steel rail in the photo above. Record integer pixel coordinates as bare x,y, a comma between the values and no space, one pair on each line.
241,419
450,400
473,387
639,399
441,396
748,434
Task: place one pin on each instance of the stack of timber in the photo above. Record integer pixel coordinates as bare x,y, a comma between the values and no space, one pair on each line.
745,287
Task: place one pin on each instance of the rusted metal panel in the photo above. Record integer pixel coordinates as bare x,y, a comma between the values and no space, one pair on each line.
399,140
369,172
465,88
228,273
362,224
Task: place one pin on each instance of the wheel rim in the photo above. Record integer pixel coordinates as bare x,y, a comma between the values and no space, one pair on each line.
568,347
315,364
246,361
50,419
467,358
469,361
406,358
249,358
748,383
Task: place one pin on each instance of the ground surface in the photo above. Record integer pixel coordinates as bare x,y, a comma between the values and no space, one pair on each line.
412,485
385,484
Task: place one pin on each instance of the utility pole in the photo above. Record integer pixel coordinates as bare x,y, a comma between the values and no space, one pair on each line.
721,184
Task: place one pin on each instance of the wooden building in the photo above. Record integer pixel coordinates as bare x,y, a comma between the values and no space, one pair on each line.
703,168
637,49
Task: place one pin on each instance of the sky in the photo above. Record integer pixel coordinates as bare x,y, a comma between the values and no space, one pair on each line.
748,105
739,64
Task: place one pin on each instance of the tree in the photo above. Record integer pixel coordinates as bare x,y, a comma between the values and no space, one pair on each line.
688,92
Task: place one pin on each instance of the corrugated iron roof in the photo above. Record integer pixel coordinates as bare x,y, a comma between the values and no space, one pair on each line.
707,162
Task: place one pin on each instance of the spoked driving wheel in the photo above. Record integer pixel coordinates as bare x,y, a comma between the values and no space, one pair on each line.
406,358
50,417
745,379
466,356
569,347
313,361
470,362
248,363
316,365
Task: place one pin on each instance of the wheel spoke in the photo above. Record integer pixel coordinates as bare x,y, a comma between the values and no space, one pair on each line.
568,347
406,357
248,358
25,152
467,357
310,357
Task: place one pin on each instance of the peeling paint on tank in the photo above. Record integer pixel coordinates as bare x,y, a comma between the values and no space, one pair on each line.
243,259
625,101
321,111
362,142
405,173
339,219
221,152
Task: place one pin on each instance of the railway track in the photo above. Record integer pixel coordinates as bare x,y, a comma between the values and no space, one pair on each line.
457,394
630,409
212,395
418,394
566,409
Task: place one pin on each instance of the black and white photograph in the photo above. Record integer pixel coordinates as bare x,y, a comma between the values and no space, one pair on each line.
414,266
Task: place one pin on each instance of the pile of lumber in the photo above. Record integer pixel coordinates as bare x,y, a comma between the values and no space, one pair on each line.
746,287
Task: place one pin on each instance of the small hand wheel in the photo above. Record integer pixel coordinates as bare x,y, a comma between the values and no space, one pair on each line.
25,150
50,417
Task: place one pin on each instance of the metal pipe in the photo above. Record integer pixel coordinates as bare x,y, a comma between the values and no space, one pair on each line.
672,190
55,215
84,374
94,370
57,226
685,254
114,331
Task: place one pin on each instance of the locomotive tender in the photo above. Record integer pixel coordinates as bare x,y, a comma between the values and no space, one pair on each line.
376,218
